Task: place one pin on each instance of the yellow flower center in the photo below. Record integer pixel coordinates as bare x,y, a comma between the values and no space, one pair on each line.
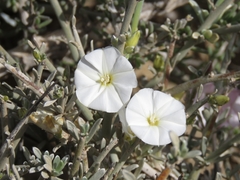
153,120
105,80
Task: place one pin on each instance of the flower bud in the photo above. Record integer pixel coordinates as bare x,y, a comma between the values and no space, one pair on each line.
38,55
158,63
218,100
214,38
207,33
205,13
133,39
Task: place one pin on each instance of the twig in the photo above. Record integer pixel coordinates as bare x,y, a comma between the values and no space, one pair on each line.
26,80
202,80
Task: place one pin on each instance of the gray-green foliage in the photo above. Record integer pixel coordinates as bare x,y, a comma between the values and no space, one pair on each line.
93,141
49,165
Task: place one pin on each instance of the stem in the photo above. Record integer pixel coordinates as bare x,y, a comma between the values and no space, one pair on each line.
4,120
126,22
5,131
136,16
77,157
124,158
26,80
215,154
66,28
101,156
76,36
202,80
40,71
226,30
214,15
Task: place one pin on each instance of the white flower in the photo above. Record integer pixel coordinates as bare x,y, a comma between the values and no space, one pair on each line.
151,115
104,80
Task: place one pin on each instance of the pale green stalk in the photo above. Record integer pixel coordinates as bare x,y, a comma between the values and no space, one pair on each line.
136,15
76,36
77,157
66,28
126,22
228,29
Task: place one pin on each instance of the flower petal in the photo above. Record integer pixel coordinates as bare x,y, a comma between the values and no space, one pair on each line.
82,80
108,101
135,118
177,117
179,129
128,79
86,68
94,59
88,94
141,103
121,65
111,55
149,135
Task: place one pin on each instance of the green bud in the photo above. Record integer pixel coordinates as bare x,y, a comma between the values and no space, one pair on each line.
218,100
205,13
158,63
114,41
58,93
5,98
188,30
22,112
207,33
133,39
214,38
36,54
